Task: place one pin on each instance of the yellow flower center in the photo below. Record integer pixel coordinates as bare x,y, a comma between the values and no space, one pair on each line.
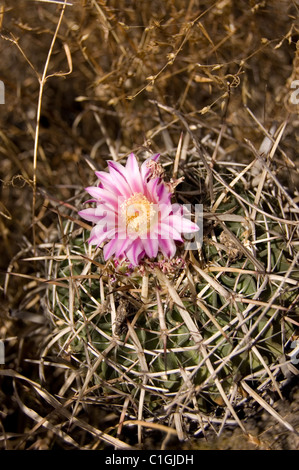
137,213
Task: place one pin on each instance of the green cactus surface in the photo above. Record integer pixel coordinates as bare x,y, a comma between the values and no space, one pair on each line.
182,343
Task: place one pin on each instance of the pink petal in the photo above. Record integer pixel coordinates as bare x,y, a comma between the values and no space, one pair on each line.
98,215
110,248
164,210
163,193
98,235
167,247
103,194
89,214
177,209
120,179
182,224
107,181
151,246
133,175
151,190
93,191
122,246
105,215
118,167
167,231
134,252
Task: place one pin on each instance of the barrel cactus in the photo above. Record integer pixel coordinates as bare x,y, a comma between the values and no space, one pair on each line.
178,344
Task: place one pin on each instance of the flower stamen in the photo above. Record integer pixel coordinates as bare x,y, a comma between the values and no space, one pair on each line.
137,213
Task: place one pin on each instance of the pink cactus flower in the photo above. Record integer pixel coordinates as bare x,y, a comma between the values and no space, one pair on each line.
134,213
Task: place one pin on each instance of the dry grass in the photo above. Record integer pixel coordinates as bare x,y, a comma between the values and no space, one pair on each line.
94,81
